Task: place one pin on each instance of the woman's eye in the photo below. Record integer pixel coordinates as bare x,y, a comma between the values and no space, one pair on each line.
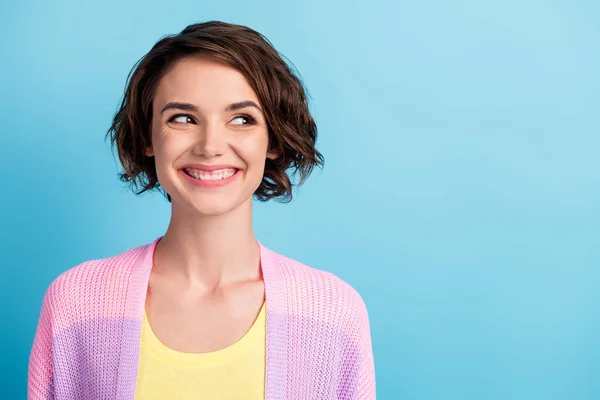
181,118
244,120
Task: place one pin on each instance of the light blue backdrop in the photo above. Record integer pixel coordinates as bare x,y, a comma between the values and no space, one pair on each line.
460,196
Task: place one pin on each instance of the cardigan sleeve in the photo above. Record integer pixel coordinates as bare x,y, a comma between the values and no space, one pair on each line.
358,368
40,374
365,385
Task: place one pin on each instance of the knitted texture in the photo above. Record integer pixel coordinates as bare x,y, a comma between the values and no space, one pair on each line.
87,341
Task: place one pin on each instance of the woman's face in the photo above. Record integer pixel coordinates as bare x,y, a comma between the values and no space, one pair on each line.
206,113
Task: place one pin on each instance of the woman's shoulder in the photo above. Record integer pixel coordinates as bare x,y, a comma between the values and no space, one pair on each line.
99,271
317,290
90,285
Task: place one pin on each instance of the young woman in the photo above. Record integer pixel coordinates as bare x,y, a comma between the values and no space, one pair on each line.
212,117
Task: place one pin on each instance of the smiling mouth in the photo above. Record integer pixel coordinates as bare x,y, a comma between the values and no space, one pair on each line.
216,175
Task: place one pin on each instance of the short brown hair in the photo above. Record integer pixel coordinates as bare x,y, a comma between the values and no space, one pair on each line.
292,129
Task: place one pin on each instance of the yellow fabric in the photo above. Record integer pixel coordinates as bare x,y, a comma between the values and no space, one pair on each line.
235,372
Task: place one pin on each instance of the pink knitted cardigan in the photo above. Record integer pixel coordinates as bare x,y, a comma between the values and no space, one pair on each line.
86,345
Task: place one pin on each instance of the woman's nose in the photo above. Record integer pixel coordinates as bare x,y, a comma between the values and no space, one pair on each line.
211,140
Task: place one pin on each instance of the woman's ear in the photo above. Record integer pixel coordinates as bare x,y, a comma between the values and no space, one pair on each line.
149,152
271,155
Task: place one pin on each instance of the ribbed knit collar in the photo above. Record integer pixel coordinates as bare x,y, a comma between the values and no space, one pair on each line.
276,323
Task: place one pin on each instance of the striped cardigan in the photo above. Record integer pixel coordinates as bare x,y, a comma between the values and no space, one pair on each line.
86,345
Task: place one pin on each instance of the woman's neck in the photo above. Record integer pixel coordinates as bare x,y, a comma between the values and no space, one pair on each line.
209,251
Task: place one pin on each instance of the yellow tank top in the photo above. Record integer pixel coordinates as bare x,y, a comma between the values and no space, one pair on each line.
235,372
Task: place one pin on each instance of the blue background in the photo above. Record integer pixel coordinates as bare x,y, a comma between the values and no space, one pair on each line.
460,195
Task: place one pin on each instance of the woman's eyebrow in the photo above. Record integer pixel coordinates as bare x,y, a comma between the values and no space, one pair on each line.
242,104
191,107
179,106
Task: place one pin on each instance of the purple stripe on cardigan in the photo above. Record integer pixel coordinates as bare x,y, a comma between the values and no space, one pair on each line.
86,358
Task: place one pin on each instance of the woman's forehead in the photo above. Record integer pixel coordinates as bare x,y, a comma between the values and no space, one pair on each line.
205,83
198,73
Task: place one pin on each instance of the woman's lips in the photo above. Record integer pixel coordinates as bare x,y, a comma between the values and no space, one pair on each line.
209,183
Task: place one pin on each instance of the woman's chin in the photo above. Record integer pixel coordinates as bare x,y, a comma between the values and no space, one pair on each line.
211,209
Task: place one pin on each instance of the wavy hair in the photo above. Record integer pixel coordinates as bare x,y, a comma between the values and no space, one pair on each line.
292,129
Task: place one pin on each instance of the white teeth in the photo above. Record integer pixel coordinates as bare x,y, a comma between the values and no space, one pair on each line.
214,176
